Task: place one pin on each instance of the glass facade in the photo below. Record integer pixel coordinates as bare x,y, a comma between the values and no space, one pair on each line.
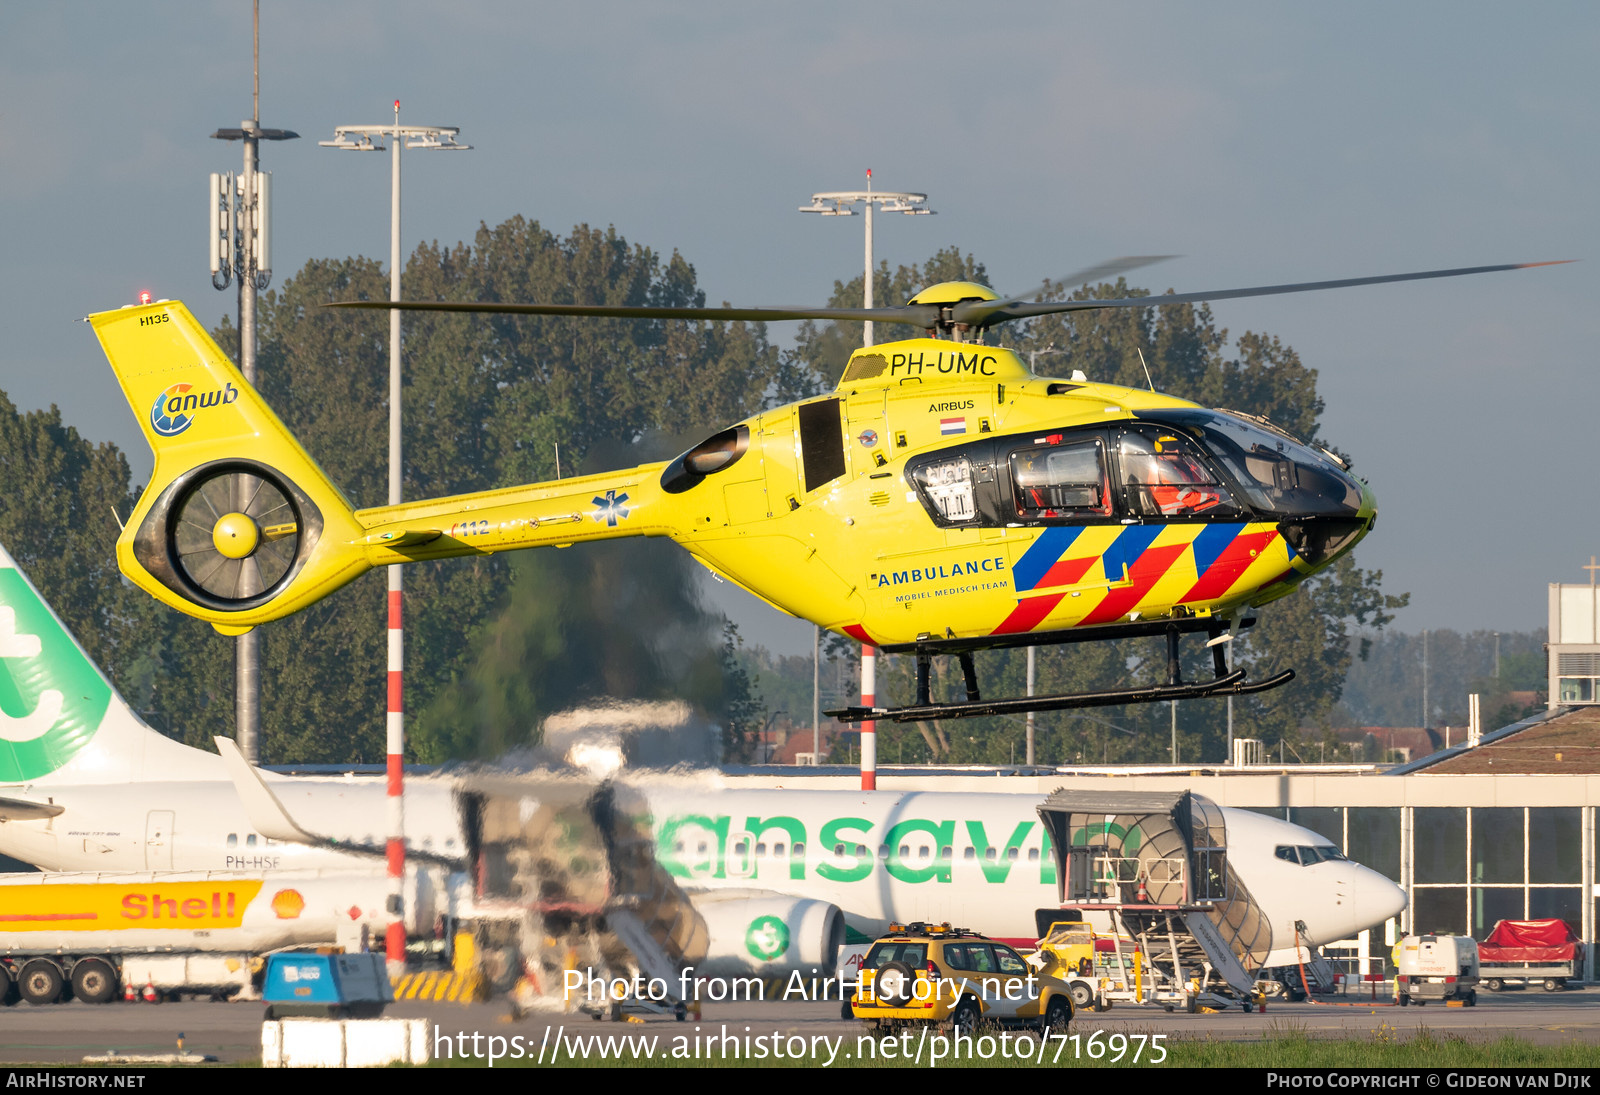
1497,845
1375,838
1439,845
1555,844
1440,909
1492,903
1559,902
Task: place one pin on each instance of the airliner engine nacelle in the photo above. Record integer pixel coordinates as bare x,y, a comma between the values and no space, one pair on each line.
771,935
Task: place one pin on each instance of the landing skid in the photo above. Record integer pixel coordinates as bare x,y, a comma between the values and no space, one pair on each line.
1233,684
1224,683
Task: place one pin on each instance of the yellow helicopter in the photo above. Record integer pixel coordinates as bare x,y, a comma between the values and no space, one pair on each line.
940,500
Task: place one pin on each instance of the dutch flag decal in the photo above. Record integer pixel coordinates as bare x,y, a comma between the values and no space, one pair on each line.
948,426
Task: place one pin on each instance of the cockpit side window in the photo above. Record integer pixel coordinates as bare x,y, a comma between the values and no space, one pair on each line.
1164,475
1061,479
1285,852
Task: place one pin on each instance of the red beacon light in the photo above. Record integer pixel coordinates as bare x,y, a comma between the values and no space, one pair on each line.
144,296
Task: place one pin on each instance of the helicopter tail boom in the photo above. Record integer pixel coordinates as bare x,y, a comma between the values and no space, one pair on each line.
238,524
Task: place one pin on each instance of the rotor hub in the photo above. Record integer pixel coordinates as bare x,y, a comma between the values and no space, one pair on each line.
236,535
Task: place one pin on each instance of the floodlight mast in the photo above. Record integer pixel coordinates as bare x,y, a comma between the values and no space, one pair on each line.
840,203
240,245
361,138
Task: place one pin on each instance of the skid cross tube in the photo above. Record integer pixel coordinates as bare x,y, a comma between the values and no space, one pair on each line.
1226,682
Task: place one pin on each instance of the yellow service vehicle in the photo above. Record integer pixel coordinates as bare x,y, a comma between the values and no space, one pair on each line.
936,974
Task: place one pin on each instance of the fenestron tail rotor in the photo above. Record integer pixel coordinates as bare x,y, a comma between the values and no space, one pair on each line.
234,534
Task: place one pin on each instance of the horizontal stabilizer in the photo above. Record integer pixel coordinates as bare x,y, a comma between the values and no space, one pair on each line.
20,809
399,538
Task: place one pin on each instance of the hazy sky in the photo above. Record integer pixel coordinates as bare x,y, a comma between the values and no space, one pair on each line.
1264,142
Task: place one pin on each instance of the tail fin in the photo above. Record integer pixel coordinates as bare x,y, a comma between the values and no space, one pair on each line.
238,524
60,719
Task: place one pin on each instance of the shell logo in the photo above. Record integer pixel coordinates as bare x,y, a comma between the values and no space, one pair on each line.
288,904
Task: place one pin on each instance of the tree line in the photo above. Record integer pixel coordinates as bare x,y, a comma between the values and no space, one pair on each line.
496,643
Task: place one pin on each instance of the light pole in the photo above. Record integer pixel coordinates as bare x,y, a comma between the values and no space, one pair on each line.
841,203
360,138
1033,356
240,251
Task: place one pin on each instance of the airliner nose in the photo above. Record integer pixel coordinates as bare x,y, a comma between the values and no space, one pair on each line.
1375,898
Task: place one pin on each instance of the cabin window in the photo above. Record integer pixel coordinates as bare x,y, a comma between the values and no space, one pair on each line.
250,841
946,853
838,849
969,853
233,840
1033,855
1011,854
798,850
946,487
861,849
1061,480
761,848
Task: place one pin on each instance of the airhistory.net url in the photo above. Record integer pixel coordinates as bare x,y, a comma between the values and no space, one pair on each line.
722,1044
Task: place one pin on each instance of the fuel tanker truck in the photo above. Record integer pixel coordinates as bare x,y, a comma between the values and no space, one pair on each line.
161,933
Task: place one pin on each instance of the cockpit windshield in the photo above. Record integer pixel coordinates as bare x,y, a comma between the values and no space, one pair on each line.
1308,855
1277,473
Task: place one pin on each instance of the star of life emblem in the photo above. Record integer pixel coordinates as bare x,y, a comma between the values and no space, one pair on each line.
613,507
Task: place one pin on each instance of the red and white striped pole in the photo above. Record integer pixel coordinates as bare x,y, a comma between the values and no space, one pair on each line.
869,728
395,937
395,940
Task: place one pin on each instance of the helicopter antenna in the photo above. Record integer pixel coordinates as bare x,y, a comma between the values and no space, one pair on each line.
558,459
1147,379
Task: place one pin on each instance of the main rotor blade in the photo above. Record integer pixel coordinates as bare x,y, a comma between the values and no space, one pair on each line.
1089,275
984,313
917,315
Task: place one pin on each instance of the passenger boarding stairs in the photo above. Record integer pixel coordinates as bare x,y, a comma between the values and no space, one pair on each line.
1156,863
1184,943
